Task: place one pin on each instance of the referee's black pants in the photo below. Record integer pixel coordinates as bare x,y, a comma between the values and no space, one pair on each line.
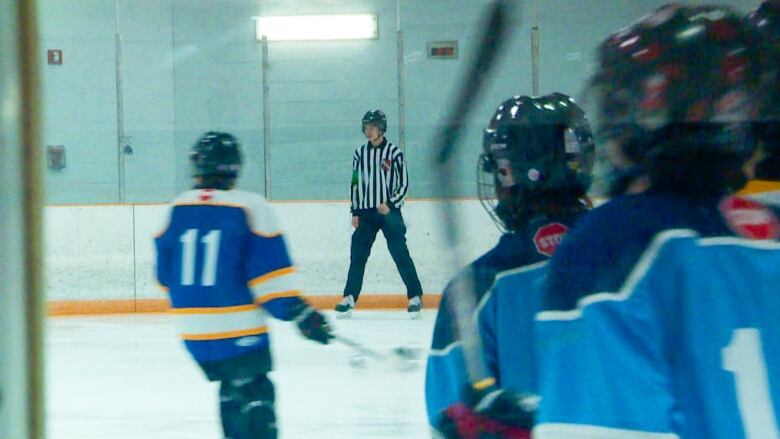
392,226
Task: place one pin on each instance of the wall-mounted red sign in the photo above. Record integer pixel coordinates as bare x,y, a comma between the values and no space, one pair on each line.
443,49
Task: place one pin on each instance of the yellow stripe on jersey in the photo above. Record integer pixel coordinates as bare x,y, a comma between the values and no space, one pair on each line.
755,187
215,310
282,294
267,235
268,276
224,335
484,384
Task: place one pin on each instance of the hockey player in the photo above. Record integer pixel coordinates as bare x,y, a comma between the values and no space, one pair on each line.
534,172
222,258
657,304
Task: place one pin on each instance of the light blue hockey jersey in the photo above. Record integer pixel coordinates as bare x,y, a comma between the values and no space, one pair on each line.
446,375
688,348
221,257
506,325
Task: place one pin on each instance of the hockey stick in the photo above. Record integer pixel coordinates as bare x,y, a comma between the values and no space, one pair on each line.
462,302
401,356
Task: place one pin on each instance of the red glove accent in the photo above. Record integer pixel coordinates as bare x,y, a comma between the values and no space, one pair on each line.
469,425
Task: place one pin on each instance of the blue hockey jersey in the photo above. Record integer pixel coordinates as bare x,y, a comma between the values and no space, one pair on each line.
604,246
505,320
446,374
222,258
688,347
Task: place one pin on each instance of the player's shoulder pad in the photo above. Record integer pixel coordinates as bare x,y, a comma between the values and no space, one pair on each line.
187,197
669,249
593,238
163,220
260,213
672,240
610,218
217,198
184,199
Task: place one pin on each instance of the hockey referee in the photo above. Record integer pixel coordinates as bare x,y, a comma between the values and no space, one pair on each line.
379,185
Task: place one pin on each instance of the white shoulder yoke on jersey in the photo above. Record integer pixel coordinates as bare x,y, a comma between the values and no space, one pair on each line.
644,264
456,343
260,216
501,276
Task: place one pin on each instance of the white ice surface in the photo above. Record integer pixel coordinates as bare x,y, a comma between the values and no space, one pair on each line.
122,377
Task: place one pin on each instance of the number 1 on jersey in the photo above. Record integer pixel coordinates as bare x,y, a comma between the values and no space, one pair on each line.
744,357
189,240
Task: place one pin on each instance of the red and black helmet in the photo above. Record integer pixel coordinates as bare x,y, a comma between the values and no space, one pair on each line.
764,22
681,80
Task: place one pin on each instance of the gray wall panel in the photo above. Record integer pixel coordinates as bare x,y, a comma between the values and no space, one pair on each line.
189,66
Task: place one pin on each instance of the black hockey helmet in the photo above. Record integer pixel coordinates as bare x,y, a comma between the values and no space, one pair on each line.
215,158
374,117
536,152
765,23
674,93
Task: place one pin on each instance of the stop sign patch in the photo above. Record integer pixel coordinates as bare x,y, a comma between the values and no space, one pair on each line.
547,238
750,219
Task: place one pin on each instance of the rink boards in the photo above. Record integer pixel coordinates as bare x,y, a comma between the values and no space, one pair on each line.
100,258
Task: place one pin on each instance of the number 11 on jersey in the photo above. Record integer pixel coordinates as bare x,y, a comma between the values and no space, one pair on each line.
189,241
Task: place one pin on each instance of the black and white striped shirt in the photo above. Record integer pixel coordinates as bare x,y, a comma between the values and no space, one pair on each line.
378,176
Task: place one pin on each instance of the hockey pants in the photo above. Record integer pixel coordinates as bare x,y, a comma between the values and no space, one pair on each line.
247,408
393,227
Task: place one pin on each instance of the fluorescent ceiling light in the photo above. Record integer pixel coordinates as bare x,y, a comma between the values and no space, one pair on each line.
317,27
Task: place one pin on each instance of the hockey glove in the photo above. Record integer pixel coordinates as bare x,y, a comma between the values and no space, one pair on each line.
489,413
313,324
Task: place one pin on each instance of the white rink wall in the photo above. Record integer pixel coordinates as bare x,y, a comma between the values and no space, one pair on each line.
106,252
